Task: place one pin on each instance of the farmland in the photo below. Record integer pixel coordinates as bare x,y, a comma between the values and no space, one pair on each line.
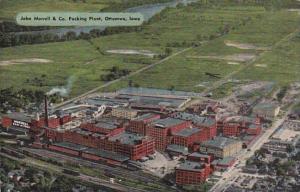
225,33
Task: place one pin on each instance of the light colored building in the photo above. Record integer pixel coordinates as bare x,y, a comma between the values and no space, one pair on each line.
221,147
125,113
266,110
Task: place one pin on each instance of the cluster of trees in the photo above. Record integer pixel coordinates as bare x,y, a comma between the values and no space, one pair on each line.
11,99
9,38
114,73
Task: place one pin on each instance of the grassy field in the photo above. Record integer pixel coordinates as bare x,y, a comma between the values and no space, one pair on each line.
264,29
81,59
177,28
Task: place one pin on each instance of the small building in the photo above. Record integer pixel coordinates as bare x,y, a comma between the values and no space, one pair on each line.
177,150
125,113
221,147
223,164
190,173
199,157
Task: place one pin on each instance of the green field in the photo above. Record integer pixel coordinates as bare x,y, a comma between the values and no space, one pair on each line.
265,29
176,28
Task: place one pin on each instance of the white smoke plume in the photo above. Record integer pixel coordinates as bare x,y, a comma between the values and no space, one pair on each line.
64,90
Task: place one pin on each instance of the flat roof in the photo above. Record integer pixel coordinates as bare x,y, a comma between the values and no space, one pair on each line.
200,155
187,132
225,161
196,119
106,125
106,154
158,92
127,138
219,142
70,145
167,122
191,166
178,149
144,117
19,116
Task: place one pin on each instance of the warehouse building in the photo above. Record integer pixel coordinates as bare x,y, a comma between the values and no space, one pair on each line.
192,173
161,129
139,124
221,147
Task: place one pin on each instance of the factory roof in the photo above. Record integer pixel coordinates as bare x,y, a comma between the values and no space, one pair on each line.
19,116
191,166
157,92
187,132
106,154
167,122
144,117
226,161
106,125
69,145
112,102
200,155
219,142
154,101
127,138
196,119
178,149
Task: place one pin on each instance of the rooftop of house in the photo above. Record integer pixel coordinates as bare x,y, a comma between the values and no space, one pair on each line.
196,119
191,166
219,142
187,132
167,122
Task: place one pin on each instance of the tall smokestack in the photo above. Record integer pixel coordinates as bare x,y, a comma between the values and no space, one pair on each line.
46,112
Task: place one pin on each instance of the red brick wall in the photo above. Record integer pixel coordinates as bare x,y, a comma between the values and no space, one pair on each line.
64,150
6,122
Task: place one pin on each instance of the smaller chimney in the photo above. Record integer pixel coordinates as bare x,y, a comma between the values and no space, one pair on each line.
46,112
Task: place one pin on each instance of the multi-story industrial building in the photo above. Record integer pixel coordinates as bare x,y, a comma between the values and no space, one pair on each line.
221,147
192,173
138,125
161,129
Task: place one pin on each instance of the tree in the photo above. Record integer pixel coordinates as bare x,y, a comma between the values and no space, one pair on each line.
168,51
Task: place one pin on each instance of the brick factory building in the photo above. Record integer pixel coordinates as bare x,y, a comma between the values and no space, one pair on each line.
192,173
186,137
138,125
161,129
221,147
207,124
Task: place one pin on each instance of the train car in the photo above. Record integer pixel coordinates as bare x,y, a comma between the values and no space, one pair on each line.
12,152
71,172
